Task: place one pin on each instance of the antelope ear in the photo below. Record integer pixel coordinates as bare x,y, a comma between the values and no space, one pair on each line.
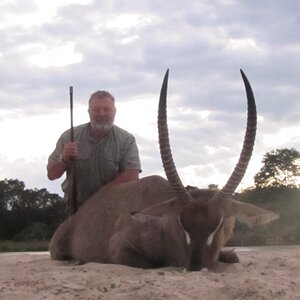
160,209
249,214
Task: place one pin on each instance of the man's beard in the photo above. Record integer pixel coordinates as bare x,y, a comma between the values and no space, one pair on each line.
102,125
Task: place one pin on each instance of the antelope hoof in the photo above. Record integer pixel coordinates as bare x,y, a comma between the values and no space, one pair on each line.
228,257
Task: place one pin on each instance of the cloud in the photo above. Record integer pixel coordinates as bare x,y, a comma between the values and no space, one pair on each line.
125,47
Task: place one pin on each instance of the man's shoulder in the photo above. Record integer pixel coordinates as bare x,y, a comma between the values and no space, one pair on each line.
120,132
77,130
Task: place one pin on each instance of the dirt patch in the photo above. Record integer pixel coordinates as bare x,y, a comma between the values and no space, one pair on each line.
263,273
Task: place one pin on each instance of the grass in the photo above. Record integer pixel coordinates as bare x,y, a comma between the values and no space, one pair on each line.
23,246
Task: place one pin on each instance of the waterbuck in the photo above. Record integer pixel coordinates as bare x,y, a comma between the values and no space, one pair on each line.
154,222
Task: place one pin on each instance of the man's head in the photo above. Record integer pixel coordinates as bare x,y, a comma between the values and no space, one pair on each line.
102,110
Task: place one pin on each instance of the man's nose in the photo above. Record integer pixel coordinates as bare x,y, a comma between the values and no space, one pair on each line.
100,112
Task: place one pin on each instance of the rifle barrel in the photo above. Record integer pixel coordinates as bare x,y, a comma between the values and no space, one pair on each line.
72,201
71,111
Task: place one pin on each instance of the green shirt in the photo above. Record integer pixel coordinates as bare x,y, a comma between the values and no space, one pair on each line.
98,162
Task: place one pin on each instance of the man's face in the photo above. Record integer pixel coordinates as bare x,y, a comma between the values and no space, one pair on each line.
102,113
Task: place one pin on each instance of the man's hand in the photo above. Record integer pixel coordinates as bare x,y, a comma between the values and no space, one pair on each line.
70,151
57,169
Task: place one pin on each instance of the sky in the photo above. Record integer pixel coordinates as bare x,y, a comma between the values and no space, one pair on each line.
126,47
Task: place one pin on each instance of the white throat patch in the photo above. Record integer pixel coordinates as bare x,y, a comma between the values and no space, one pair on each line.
187,236
211,236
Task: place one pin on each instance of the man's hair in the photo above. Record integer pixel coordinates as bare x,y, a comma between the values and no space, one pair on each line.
101,95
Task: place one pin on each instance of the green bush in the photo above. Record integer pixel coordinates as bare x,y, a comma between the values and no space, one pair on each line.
284,230
33,245
34,231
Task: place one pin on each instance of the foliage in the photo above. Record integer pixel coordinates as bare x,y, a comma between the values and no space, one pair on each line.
281,168
23,246
284,230
213,187
27,214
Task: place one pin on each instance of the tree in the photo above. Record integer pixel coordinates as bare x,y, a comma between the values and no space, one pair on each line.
281,168
213,187
27,213
10,192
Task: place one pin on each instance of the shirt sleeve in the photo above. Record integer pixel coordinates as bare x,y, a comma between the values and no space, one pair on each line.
131,158
54,156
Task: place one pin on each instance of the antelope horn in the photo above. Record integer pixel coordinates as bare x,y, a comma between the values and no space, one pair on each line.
164,145
245,155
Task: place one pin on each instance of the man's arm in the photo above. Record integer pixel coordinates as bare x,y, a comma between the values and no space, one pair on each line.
125,176
56,169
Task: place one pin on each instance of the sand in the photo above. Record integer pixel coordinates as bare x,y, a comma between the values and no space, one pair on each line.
263,273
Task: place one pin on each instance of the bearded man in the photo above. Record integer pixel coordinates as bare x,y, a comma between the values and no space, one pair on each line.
104,153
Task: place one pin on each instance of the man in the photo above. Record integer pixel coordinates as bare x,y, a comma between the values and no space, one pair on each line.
104,153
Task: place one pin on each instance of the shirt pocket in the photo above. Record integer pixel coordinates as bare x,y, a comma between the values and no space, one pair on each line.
107,164
84,152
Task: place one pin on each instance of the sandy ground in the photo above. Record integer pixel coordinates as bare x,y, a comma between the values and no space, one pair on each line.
263,273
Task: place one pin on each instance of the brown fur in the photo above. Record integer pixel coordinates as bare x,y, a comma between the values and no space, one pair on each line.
140,224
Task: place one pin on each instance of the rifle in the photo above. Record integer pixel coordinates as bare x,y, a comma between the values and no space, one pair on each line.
72,197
